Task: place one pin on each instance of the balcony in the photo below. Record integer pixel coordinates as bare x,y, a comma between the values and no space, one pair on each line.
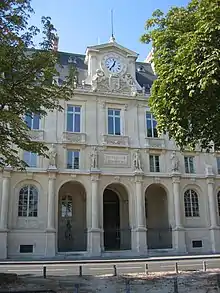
155,143
115,140
74,137
37,135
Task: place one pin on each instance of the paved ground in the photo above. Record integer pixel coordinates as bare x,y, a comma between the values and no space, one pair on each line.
66,269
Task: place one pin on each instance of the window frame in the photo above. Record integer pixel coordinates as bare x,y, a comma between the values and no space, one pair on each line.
154,170
218,165
73,118
30,159
191,204
32,118
21,202
218,202
113,116
73,158
152,120
189,167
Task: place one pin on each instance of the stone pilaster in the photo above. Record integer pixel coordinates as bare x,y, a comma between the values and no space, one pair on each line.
214,228
94,231
4,212
50,230
139,244
179,241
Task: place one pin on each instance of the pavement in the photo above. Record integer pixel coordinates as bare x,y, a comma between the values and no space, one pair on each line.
92,268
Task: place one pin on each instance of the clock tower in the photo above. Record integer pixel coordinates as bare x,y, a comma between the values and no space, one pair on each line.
111,68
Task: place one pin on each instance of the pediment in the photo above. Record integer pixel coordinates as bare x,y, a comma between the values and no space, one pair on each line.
112,46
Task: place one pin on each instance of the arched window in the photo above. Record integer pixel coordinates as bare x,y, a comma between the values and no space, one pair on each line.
218,199
191,203
28,201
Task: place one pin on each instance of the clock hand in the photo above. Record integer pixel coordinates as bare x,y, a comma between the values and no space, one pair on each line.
112,65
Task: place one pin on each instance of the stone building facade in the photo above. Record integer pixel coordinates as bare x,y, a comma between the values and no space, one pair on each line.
111,186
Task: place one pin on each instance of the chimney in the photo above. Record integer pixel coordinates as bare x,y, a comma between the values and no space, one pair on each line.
56,43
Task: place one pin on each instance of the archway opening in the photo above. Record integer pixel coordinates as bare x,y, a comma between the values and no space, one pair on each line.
72,232
117,234
159,232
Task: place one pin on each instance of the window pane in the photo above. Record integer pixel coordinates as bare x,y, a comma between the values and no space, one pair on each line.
148,116
76,162
151,164
110,112
191,164
77,109
28,120
117,126
149,128
218,164
149,132
33,160
36,121
110,125
157,163
69,108
117,112
186,164
69,159
26,157
77,123
70,122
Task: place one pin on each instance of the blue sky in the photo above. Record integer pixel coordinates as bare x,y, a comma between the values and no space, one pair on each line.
86,22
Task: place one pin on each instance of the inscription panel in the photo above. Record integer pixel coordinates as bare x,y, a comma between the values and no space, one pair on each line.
116,160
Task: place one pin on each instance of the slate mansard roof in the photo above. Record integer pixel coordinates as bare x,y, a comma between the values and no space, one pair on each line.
144,73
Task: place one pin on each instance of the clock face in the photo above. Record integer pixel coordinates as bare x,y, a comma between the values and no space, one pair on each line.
113,65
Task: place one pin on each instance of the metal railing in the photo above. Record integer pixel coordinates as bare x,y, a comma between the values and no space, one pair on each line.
175,267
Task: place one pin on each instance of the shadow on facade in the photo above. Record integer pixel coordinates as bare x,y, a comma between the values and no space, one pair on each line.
117,235
72,232
159,232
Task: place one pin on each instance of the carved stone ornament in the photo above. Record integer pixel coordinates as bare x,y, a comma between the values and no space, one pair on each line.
94,158
174,162
52,156
137,161
208,170
114,83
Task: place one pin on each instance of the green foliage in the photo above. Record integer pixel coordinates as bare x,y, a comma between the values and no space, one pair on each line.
185,98
26,79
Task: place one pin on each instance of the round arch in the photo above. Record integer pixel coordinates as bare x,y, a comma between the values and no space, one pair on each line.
159,233
116,227
72,232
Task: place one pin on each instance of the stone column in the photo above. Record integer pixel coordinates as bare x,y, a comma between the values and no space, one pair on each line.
214,228
140,230
94,232
179,241
51,231
4,213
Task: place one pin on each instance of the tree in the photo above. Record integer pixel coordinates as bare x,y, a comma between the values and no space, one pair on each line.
27,76
185,97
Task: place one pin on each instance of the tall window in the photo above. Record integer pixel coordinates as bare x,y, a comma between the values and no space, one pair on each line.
218,200
154,163
114,121
72,159
30,159
73,118
28,201
189,164
33,121
191,203
218,164
151,125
